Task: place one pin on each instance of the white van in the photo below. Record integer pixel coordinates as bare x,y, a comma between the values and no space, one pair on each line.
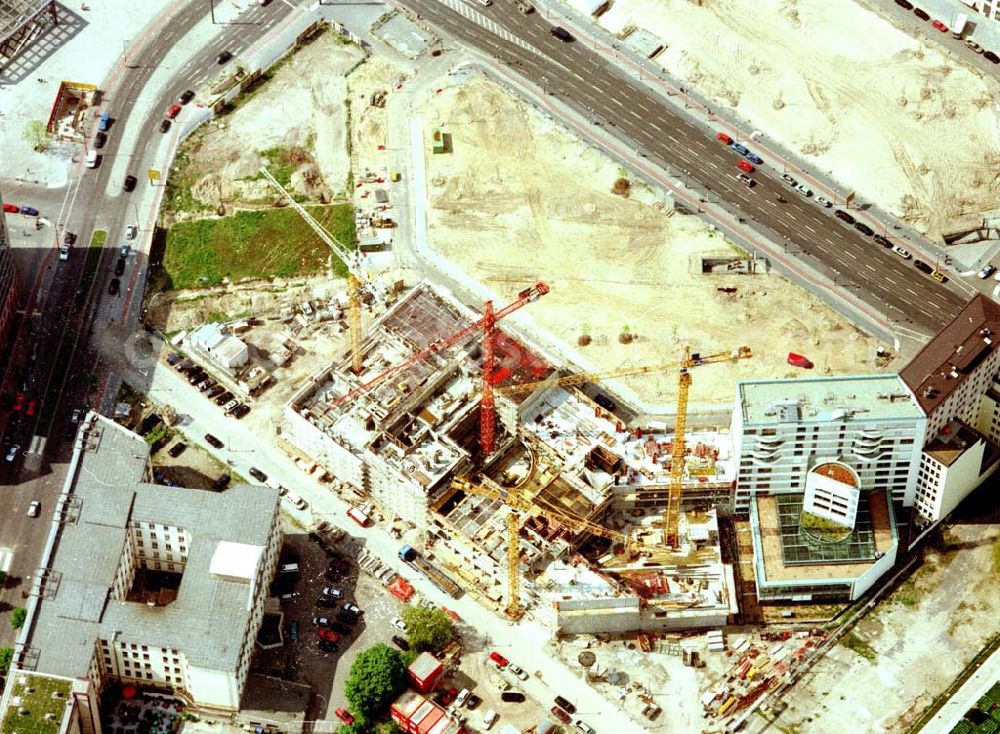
92,158
289,568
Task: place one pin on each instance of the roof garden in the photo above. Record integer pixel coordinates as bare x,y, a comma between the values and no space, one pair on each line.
37,704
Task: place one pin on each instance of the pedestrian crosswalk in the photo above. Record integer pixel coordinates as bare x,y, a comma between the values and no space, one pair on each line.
479,19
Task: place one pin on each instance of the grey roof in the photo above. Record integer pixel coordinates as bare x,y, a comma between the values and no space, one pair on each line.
106,482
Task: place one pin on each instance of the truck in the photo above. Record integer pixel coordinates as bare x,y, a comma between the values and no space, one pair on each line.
409,554
958,25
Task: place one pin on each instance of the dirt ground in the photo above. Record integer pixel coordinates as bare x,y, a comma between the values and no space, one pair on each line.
368,122
193,469
519,200
913,644
303,103
896,119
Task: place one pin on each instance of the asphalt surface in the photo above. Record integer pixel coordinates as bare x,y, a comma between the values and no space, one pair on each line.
582,77
48,287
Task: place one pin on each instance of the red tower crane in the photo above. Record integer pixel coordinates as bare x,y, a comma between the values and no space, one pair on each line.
487,409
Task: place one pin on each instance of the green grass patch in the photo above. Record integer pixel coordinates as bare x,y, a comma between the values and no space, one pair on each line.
254,244
35,694
853,642
183,176
906,600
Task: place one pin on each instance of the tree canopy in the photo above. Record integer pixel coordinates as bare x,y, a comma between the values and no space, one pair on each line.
377,677
428,629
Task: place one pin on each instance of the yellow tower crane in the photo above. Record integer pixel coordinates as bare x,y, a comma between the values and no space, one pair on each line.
356,277
671,517
518,505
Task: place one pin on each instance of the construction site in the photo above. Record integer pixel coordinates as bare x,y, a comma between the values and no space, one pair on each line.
531,494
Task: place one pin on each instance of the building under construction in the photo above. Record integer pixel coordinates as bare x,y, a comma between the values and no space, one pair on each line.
590,494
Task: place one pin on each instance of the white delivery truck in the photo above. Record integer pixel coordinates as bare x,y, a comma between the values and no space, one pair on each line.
958,25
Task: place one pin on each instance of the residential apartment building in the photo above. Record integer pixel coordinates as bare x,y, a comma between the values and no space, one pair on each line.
8,285
954,378
165,587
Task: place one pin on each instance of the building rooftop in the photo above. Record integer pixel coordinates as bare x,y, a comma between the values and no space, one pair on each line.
104,494
823,399
944,363
787,556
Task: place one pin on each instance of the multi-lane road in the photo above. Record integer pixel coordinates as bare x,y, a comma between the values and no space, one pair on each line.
585,78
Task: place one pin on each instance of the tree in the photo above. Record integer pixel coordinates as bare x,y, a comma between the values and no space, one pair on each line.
17,617
428,629
387,727
36,134
6,656
377,677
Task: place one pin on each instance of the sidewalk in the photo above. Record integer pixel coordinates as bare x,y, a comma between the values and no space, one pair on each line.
965,697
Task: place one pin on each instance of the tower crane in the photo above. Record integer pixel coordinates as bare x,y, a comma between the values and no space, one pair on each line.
356,276
671,517
580,378
487,410
518,505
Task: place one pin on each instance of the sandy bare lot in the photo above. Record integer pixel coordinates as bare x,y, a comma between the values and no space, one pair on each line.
897,120
519,200
914,644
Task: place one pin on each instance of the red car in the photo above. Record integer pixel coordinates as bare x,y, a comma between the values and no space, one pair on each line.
499,659
344,715
943,27
11,208
744,166
173,111
724,138
19,401
560,714
32,404
328,635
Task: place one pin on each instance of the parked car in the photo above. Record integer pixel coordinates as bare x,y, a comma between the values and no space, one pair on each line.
165,126
232,409
222,482
884,241
974,47
224,398
905,4
326,602
130,182
921,13
173,110
518,671
34,508
584,727
327,646
327,634
723,138
462,697
114,286
130,232
331,592
745,166
223,57
843,216
943,27
986,272
823,202
120,266
11,208
214,441
231,404
69,238
344,715
923,267
398,623
512,697
787,178
257,474
321,621
902,252
939,276
565,705
991,57
75,417
186,96
295,501
562,34
560,714
864,229
804,190
489,718
125,248
29,211
177,449
18,401
12,452
345,618
747,181
473,702
32,407
213,391
64,252
500,660
401,643
100,139
352,609
240,411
